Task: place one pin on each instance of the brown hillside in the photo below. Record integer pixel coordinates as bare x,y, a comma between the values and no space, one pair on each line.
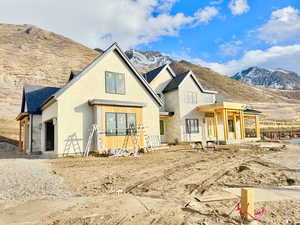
234,90
30,55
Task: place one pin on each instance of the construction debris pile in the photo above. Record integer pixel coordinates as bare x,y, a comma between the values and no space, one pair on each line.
120,153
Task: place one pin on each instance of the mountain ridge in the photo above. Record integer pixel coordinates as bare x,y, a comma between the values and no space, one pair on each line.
268,78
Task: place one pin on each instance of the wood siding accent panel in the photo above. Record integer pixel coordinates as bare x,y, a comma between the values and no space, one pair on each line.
114,142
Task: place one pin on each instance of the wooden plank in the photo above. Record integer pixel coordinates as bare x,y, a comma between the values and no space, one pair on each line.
247,203
234,126
257,126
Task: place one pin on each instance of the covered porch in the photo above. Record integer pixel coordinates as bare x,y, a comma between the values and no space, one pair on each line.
164,125
225,122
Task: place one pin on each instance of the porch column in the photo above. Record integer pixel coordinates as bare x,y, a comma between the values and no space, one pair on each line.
225,124
216,125
20,135
257,127
242,123
234,125
25,135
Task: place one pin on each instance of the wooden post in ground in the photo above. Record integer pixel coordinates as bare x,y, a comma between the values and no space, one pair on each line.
247,204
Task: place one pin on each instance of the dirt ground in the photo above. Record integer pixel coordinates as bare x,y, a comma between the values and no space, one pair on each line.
170,186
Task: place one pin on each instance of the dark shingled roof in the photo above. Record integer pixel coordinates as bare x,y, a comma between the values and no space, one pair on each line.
252,111
73,74
34,96
175,82
149,76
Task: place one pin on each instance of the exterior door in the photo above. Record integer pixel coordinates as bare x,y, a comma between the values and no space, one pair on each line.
162,126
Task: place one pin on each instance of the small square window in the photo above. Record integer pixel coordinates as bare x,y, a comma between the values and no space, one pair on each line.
114,83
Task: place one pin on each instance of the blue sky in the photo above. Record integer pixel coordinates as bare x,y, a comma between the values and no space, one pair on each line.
224,35
204,41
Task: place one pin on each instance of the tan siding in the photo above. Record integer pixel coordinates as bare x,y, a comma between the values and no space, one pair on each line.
113,142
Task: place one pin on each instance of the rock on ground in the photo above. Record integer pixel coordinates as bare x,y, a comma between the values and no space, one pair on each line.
23,179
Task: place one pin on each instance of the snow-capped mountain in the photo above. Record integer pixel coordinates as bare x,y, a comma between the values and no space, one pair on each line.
278,79
146,60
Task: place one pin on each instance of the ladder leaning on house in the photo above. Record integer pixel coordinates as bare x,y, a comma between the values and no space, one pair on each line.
134,133
93,130
148,144
72,141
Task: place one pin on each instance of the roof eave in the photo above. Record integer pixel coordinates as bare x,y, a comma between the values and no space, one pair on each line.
48,102
22,115
200,85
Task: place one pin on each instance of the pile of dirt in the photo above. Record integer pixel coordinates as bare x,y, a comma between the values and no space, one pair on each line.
258,173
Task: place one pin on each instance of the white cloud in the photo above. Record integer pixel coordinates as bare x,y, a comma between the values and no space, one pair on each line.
97,23
238,7
206,14
284,25
216,2
231,48
166,5
286,57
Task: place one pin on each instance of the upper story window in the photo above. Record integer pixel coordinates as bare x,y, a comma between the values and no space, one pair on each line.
190,97
115,83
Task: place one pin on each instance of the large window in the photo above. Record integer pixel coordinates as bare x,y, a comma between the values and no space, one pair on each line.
114,83
120,124
190,97
192,126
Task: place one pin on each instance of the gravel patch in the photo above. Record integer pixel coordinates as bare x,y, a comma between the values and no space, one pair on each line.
24,179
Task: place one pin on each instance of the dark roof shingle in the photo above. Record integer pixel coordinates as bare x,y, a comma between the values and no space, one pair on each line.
149,76
73,74
175,82
34,96
252,111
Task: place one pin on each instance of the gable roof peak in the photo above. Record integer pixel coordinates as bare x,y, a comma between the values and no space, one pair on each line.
176,81
152,74
123,56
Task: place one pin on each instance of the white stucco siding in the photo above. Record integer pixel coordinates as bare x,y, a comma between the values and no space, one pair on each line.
189,110
75,116
205,98
220,127
159,83
172,132
36,132
51,112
